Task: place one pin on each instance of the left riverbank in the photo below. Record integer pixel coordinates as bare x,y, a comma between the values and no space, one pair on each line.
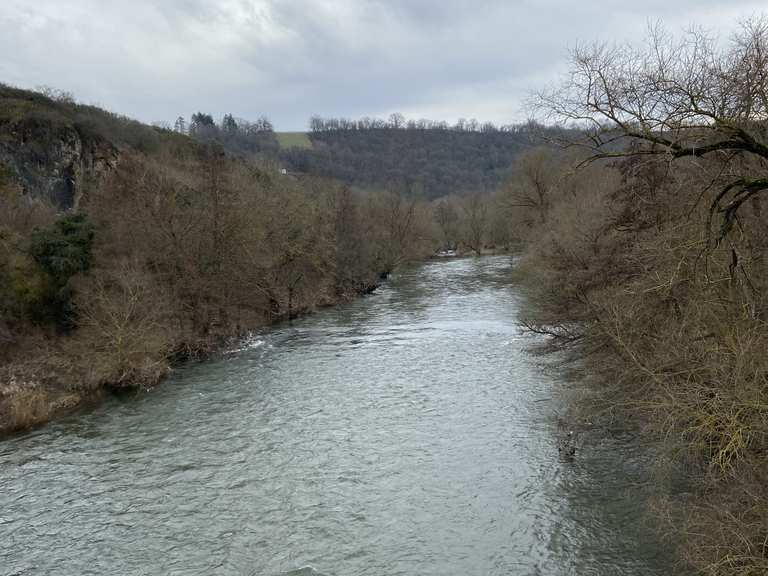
47,382
126,249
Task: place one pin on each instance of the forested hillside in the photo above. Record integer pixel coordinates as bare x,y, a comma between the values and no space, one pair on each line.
422,158
124,247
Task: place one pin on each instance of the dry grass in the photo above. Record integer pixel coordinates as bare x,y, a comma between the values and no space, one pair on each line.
24,409
293,140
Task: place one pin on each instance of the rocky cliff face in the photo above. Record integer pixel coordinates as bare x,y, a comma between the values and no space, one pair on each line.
55,160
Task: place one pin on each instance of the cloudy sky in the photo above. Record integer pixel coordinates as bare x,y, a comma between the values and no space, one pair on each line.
289,59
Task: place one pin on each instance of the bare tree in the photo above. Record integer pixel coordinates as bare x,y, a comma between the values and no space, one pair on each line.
124,326
447,219
396,120
682,98
476,221
530,187
180,125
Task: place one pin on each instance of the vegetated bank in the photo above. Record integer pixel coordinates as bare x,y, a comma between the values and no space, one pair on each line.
648,264
124,248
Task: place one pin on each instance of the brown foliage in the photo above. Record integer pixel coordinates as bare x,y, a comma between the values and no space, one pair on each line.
671,337
657,282
191,248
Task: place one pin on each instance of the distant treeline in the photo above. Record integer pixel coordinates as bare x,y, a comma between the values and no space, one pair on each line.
250,139
399,122
424,158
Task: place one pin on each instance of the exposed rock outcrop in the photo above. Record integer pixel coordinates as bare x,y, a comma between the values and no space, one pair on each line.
53,159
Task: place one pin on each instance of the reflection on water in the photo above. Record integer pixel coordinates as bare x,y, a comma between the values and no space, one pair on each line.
406,433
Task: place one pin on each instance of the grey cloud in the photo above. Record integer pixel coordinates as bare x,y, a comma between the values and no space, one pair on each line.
289,59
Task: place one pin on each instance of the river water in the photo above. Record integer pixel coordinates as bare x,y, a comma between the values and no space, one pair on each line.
405,433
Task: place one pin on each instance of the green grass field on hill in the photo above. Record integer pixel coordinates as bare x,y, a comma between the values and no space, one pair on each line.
293,140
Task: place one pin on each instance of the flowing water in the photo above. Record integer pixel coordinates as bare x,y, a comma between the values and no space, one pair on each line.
405,433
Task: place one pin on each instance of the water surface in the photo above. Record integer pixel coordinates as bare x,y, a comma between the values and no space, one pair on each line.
405,433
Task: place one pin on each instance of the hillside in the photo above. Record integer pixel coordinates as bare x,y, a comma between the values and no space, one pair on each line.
427,159
55,148
423,159
125,247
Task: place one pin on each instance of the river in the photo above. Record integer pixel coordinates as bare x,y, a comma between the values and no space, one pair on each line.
405,433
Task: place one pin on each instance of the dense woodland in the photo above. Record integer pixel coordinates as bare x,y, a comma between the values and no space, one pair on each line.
418,158
421,158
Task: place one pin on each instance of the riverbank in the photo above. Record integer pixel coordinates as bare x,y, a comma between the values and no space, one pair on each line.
666,334
46,382
126,248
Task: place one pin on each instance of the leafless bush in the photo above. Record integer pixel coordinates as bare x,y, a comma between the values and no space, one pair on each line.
125,335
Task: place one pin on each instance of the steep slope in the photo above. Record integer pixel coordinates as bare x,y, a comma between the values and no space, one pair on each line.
124,248
47,151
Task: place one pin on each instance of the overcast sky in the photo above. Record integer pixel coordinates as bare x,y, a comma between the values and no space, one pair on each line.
289,59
